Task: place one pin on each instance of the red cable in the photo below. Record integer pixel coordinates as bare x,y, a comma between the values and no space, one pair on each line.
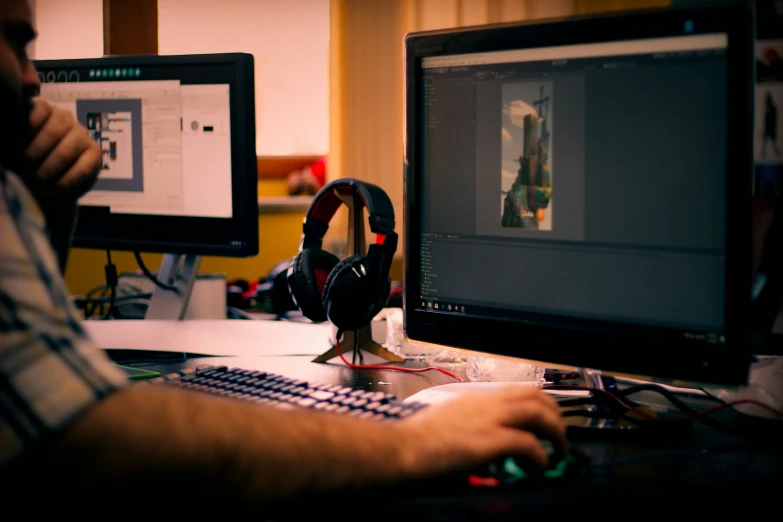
410,370
396,291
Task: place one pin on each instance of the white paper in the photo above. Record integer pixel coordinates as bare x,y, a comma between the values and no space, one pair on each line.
228,337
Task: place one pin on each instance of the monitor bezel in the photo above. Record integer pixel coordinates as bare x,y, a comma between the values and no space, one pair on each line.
242,227
640,351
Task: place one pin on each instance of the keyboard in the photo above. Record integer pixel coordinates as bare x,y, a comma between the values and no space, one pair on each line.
288,393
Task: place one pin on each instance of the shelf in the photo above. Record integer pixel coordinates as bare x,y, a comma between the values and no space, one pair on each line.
267,205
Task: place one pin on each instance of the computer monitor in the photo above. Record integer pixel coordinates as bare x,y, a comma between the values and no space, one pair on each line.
179,172
578,192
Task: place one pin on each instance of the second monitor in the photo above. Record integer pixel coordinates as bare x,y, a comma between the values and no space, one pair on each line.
179,167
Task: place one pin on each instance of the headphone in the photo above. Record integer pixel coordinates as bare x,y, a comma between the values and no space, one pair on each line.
349,293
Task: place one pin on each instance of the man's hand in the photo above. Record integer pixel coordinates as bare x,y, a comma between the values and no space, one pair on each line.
66,160
483,427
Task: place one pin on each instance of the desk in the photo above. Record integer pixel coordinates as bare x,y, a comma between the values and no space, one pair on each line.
744,480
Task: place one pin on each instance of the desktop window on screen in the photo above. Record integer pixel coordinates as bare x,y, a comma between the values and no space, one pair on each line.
580,181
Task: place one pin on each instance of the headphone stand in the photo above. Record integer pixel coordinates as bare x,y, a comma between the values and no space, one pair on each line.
357,243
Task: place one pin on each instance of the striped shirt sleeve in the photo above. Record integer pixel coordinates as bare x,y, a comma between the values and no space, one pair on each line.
50,371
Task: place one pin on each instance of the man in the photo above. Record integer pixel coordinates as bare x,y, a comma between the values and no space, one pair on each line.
69,423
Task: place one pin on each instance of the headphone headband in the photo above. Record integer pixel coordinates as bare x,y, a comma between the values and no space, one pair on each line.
325,205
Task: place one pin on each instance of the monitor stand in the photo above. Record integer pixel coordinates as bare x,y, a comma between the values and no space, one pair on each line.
361,339
179,271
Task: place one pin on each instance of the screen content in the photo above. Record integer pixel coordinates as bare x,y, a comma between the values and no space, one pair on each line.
577,181
166,146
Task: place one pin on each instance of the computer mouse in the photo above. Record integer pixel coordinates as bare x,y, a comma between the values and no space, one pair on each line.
508,471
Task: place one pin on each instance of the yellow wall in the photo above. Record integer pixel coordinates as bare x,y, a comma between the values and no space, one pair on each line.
279,235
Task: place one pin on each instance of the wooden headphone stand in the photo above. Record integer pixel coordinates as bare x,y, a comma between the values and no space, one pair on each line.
361,339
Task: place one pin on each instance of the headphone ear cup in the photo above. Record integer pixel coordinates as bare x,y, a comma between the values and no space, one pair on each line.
351,299
311,270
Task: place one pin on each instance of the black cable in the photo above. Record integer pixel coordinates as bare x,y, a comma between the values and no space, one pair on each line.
111,282
119,298
684,408
151,276
712,396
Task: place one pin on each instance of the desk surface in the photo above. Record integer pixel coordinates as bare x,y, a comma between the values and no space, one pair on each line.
704,472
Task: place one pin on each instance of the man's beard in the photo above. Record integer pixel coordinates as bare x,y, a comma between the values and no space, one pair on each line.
15,131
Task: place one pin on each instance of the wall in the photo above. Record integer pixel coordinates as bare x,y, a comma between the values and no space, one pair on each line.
68,29
290,43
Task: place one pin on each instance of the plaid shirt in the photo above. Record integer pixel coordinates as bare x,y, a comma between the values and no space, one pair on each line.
49,370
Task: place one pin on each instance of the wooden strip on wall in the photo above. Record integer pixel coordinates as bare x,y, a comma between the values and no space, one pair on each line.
130,27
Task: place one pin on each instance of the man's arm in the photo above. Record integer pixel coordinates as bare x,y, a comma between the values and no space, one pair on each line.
148,438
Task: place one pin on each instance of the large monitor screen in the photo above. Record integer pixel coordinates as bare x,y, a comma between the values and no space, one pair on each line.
567,202
179,168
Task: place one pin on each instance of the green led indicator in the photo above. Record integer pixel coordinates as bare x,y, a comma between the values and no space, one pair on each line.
92,73
138,72
124,73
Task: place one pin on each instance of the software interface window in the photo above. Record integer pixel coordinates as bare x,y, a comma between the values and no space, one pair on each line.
591,176
166,147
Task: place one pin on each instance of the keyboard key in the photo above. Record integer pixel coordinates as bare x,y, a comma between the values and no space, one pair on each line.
321,395
287,392
377,396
